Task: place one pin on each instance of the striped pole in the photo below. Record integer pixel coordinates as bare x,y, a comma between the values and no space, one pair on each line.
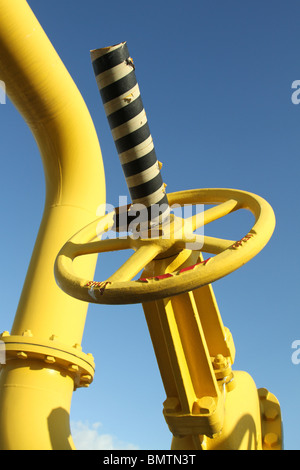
115,75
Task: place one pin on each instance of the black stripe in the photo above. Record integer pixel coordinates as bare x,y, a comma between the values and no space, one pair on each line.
111,59
145,189
126,113
140,164
159,208
162,202
134,138
119,87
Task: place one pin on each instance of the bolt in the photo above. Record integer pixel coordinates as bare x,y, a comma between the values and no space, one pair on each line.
21,355
27,333
86,378
205,405
73,368
171,404
263,393
220,362
270,413
5,333
49,359
271,439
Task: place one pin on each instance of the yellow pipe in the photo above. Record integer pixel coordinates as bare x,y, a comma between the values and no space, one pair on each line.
37,383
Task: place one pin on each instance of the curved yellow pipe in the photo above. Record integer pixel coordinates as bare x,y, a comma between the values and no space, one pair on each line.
37,383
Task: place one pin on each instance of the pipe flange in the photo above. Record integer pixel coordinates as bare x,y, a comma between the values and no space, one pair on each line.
80,365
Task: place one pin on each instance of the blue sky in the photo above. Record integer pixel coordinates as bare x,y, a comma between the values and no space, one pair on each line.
216,81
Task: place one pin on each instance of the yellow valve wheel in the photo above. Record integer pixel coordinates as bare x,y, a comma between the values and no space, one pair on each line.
171,239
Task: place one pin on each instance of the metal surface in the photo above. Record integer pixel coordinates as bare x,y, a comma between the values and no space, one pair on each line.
174,238
208,405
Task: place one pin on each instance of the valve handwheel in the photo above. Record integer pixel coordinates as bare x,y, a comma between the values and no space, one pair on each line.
120,288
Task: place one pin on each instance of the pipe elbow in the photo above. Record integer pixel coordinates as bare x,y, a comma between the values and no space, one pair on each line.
35,398
39,85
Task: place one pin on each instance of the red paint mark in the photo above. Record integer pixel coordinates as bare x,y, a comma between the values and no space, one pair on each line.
103,287
97,285
188,268
244,239
165,276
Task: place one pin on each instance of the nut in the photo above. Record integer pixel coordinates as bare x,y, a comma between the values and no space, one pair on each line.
5,333
86,378
204,405
171,404
27,333
220,362
271,439
21,355
271,413
49,359
263,393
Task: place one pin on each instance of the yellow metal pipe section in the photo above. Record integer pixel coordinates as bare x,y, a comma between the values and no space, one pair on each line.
44,358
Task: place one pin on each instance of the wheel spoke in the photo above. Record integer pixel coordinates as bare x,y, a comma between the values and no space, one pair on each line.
214,213
97,246
136,263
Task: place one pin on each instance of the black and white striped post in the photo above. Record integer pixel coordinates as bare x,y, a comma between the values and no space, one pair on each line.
115,75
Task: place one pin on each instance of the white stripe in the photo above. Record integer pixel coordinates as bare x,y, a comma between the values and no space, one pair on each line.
137,152
130,126
122,100
113,74
143,176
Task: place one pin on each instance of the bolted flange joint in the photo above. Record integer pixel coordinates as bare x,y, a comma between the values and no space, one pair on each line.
68,359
